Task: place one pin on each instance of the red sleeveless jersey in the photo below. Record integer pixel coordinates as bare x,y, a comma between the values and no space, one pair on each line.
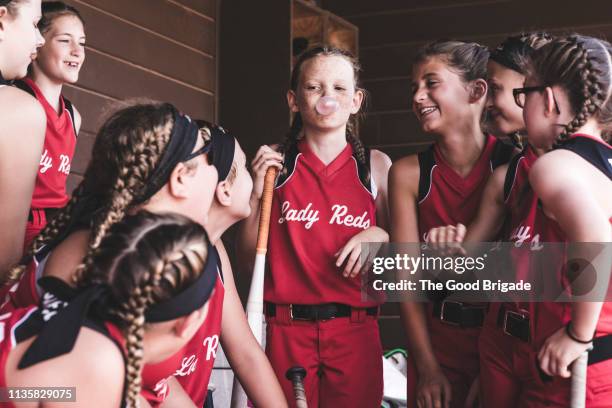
316,209
446,198
192,365
58,150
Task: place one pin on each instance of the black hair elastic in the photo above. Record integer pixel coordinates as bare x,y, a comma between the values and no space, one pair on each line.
61,325
571,335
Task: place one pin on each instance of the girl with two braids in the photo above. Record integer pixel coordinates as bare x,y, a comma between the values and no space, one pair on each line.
329,198
135,305
147,156
567,102
21,140
440,186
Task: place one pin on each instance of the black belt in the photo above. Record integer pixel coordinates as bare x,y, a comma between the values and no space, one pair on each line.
602,349
460,314
513,323
325,311
49,213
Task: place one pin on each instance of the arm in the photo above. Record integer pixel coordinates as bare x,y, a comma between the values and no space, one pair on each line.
244,354
21,139
177,397
246,238
350,254
486,224
403,193
77,119
381,163
492,210
571,197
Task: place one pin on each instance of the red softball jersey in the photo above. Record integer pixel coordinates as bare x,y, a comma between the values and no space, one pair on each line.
58,150
316,209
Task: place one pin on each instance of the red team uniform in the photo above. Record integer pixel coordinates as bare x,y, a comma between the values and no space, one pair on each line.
446,198
316,317
58,150
514,332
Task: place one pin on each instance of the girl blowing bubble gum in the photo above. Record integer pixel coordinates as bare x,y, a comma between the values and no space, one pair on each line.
329,198
136,305
58,62
23,124
442,186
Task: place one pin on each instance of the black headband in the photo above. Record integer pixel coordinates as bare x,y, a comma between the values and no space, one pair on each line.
59,334
4,2
183,139
510,46
224,146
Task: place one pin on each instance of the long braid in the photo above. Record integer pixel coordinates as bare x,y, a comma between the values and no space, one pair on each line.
146,259
592,92
581,65
136,164
358,148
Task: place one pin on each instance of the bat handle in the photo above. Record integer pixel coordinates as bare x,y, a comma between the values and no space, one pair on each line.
579,374
266,207
296,375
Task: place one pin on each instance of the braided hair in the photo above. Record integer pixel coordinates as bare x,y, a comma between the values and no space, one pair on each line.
583,67
145,260
352,126
128,147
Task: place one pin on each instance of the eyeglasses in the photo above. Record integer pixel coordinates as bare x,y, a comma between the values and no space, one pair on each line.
202,150
520,94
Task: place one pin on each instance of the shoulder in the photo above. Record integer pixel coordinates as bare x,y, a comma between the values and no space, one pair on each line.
77,118
16,102
107,360
549,175
379,161
499,174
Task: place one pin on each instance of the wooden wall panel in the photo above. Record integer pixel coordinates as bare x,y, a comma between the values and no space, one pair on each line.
122,39
159,49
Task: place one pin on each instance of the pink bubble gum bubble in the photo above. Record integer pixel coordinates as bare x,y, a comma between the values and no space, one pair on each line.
327,105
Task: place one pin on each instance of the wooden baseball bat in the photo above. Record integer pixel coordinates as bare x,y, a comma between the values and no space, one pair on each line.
255,303
579,377
296,375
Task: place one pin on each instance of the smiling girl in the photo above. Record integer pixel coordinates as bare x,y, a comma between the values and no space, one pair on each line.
58,62
443,185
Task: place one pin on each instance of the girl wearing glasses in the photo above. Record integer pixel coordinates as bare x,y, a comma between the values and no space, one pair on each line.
147,156
21,140
569,104
442,186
